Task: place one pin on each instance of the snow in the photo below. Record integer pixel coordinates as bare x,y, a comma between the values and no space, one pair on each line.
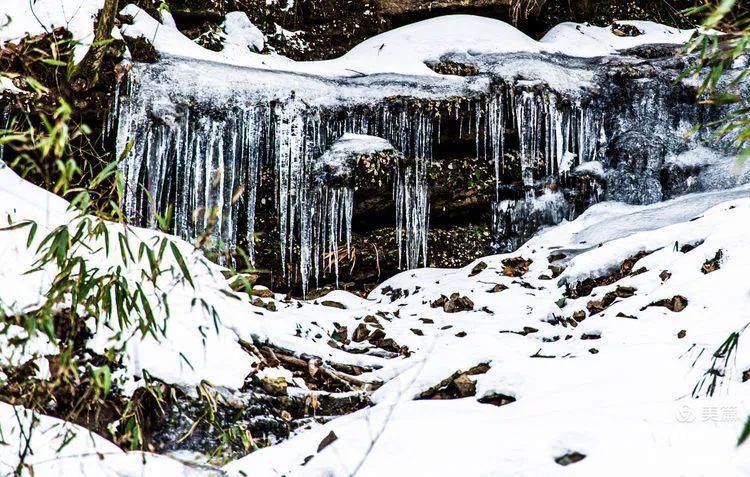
39,16
401,51
698,157
592,168
240,32
576,39
58,448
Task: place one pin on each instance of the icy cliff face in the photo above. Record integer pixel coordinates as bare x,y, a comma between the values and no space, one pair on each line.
210,137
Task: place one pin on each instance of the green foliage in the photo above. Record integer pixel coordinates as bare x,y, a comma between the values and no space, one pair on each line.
103,274
717,52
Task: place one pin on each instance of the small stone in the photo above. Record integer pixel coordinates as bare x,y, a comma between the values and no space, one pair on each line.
623,315
478,269
274,386
497,399
596,306
624,292
417,331
327,441
594,351
262,292
361,333
590,336
556,271
371,319
465,386
570,458
497,289
333,304
579,316
460,334
714,264
677,303
555,257
376,336
681,334
665,275
515,267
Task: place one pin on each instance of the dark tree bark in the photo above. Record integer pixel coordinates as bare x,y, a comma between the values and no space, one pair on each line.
86,73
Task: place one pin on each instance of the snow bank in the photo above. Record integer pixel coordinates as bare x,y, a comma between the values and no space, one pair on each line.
583,39
58,448
613,384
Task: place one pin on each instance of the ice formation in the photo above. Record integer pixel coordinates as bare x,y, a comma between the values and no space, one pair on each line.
207,125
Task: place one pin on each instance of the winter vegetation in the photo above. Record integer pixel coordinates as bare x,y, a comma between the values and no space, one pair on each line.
471,244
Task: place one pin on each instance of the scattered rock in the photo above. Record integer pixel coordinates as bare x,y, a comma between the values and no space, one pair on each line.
594,351
456,386
590,336
333,304
454,304
585,287
270,306
497,399
681,334
556,271
461,334
713,264
497,288
555,257
516,267
579,316
746,375
677,303
570,458
262,292
417,331
327,441
361,333
623,315
690,246
274,386
478,269
665,275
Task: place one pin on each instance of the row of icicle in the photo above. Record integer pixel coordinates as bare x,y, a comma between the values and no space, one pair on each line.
208,167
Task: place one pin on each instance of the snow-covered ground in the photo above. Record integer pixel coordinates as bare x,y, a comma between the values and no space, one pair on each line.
617,387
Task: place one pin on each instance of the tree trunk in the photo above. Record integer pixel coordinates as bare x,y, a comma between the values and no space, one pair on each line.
86,73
